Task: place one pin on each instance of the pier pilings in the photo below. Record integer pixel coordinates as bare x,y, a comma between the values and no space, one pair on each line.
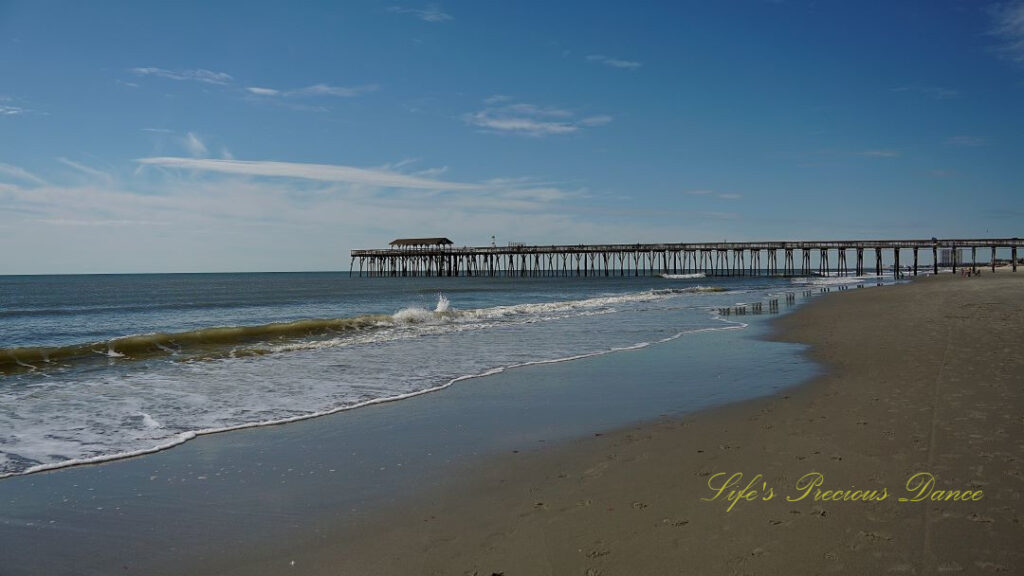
708,258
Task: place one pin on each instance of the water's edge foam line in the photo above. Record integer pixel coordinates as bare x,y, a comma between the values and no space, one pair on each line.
183,437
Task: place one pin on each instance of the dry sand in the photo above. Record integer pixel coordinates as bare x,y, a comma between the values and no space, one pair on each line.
924,377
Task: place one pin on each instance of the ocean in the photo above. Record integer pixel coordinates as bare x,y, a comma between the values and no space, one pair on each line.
99,367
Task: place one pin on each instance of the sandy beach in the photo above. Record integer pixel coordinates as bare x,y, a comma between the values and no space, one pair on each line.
921,378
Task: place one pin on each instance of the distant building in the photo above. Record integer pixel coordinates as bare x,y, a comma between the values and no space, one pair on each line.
946,256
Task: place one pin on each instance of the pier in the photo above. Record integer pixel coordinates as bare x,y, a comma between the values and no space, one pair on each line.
440,257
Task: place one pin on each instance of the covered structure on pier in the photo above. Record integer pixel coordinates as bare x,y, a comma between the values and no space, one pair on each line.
419,242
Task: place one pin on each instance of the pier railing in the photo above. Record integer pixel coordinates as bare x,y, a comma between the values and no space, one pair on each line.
709,258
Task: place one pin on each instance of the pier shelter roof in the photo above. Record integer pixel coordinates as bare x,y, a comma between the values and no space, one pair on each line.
420,242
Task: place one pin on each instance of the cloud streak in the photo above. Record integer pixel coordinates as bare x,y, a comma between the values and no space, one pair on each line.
318,172
88,170
529,119
197,75
313,91
194,145
21,174
614,62
1008,25
429,14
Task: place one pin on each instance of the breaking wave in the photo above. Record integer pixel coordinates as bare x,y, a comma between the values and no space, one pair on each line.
235,341
684,276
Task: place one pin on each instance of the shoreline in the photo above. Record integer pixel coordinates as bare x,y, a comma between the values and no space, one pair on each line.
225,500
913,384
183,437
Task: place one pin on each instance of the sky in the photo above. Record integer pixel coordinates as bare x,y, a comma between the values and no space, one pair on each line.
256,136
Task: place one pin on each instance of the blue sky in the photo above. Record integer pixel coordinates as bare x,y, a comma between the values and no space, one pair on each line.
170,137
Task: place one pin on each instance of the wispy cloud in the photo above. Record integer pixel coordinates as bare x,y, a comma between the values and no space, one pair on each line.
194,145
503,116
880,153
614,62
934,92
319,172
300,217
722,195
327,90
967,141
80,222
429,14
314,90
8,107
259,91
1008,25
21,174
88,170
197,75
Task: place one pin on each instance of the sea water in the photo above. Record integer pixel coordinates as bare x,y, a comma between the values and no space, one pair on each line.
101,367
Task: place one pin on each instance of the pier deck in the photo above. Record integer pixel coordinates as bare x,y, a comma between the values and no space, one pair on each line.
709,258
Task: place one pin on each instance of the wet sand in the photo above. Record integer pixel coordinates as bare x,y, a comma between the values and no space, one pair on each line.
921,378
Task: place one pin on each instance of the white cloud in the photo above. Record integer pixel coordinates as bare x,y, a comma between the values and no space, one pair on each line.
314,90
967,141
326,90
197,75
317,172
6,110
615,62
88,170
158,130
21,174
263,91
1008,24
78,222
599,120
307,219
429,14
194,145
529,119
431,172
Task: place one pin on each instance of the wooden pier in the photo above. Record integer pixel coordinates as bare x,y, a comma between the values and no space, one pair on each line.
439,257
